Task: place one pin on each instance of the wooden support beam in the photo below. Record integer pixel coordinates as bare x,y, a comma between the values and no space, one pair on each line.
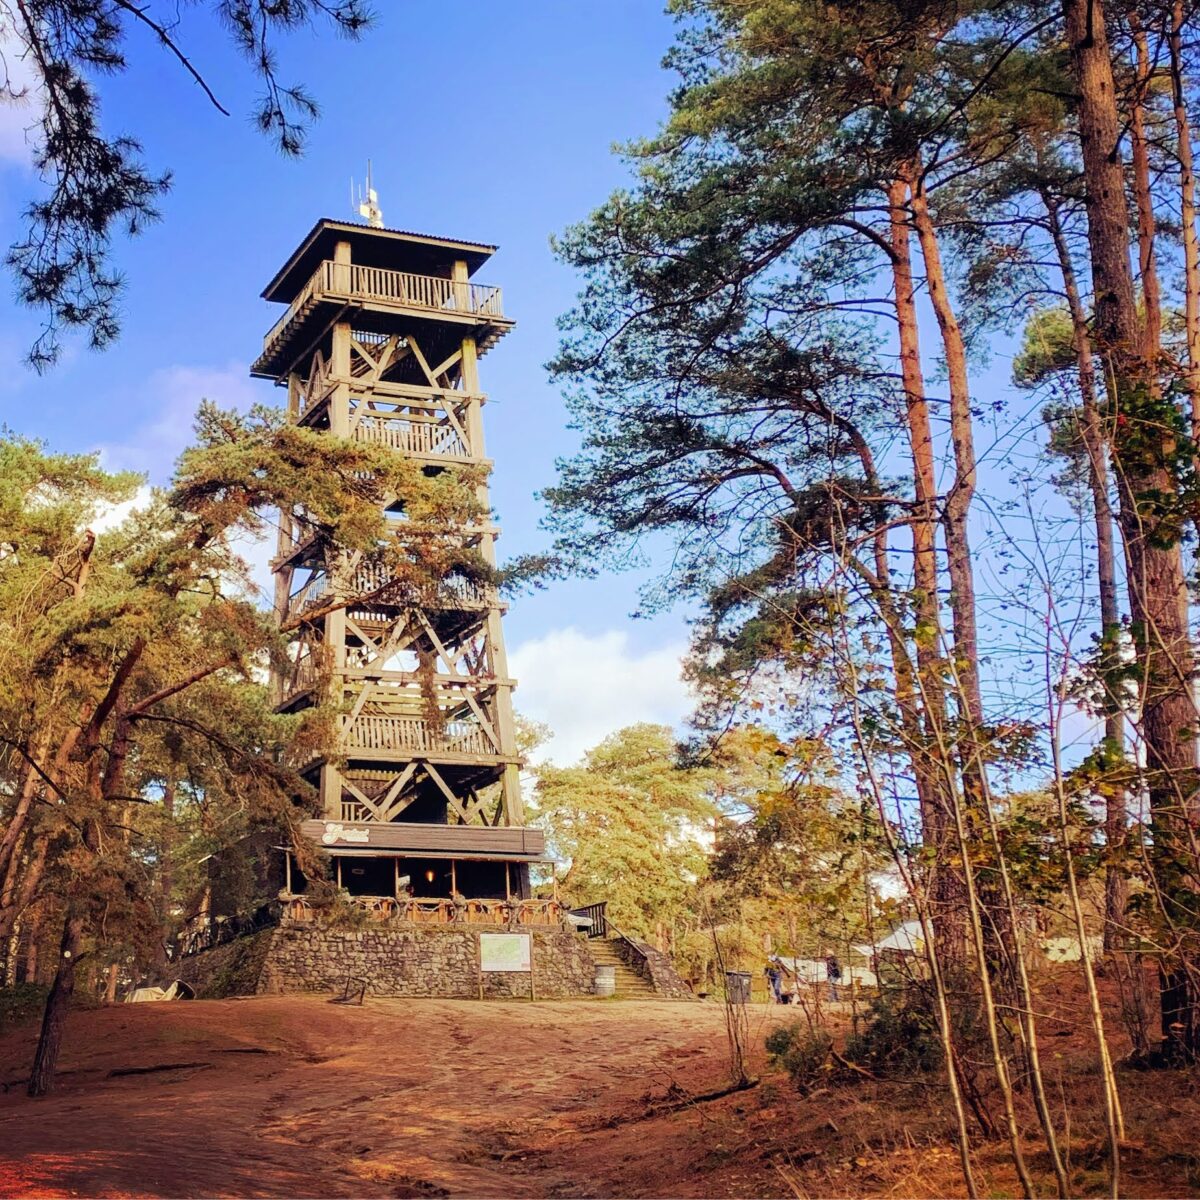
454,802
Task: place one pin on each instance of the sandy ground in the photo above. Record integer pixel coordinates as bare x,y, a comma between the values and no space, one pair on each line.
295,1096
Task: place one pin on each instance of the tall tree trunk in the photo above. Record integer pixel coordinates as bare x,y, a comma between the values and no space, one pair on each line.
34,925
12,951
995,900
29,871
1187,213
1144,446
946,891
110,986
31,782
956,513
45,1059
1116,815
1140,154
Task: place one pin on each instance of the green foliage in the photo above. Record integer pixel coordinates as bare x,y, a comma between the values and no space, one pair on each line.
899,1037
629,819
803,1052
137,734
1047,348
337,910
718,847
20,1005
792,848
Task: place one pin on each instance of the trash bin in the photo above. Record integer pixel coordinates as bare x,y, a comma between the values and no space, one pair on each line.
606,980
737,987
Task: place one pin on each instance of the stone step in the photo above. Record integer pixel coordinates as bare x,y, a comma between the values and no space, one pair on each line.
622,972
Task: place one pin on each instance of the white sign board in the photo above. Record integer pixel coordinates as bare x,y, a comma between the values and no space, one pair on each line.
505,952
335,831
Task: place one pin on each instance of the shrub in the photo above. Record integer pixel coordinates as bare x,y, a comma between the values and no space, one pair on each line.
334,907
21,1003
802,1052
899,1037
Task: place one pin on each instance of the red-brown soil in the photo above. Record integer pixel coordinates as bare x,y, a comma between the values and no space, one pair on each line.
293,1096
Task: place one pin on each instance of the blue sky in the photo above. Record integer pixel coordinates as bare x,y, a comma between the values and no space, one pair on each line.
488,122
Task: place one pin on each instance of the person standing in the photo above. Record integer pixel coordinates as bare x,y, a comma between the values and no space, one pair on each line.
775,979
833,973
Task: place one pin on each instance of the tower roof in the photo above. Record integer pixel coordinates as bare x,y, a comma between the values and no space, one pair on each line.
393,249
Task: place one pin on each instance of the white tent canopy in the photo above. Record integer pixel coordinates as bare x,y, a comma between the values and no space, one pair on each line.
906,939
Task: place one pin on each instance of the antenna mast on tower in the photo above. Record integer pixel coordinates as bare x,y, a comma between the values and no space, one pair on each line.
367,205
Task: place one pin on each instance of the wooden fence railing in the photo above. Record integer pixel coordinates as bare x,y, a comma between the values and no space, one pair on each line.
416,734
421,911
596,913
412,437
373,584
398,287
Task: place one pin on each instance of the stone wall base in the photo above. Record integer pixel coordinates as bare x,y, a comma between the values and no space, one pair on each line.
410,961
655,967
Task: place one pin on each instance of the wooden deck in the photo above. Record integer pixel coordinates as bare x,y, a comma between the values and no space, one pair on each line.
343,285
372,587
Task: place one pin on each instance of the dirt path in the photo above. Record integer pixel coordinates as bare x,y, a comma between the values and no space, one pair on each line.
294,1096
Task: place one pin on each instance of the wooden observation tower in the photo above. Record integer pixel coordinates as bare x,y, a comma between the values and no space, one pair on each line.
380,341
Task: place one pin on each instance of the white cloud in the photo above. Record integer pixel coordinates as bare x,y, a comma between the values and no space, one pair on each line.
586,686
176,393
111,515
20,102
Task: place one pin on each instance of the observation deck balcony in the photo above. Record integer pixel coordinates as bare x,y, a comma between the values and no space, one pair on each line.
399,738
457,744
371,594
377,296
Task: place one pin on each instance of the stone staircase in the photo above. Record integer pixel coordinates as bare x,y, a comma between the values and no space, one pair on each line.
630,985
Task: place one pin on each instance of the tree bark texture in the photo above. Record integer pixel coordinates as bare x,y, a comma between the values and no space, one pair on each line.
1187,213
929,757
45,1059
1116,815
1144,445
1140,154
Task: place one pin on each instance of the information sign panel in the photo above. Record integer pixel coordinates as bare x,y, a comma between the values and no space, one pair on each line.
505,952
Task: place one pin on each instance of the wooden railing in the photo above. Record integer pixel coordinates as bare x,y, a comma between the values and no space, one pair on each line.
306,294
203,932
303,674
416,291
596,913
420,911
371,578
412,437
415,734
399,287
373,583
